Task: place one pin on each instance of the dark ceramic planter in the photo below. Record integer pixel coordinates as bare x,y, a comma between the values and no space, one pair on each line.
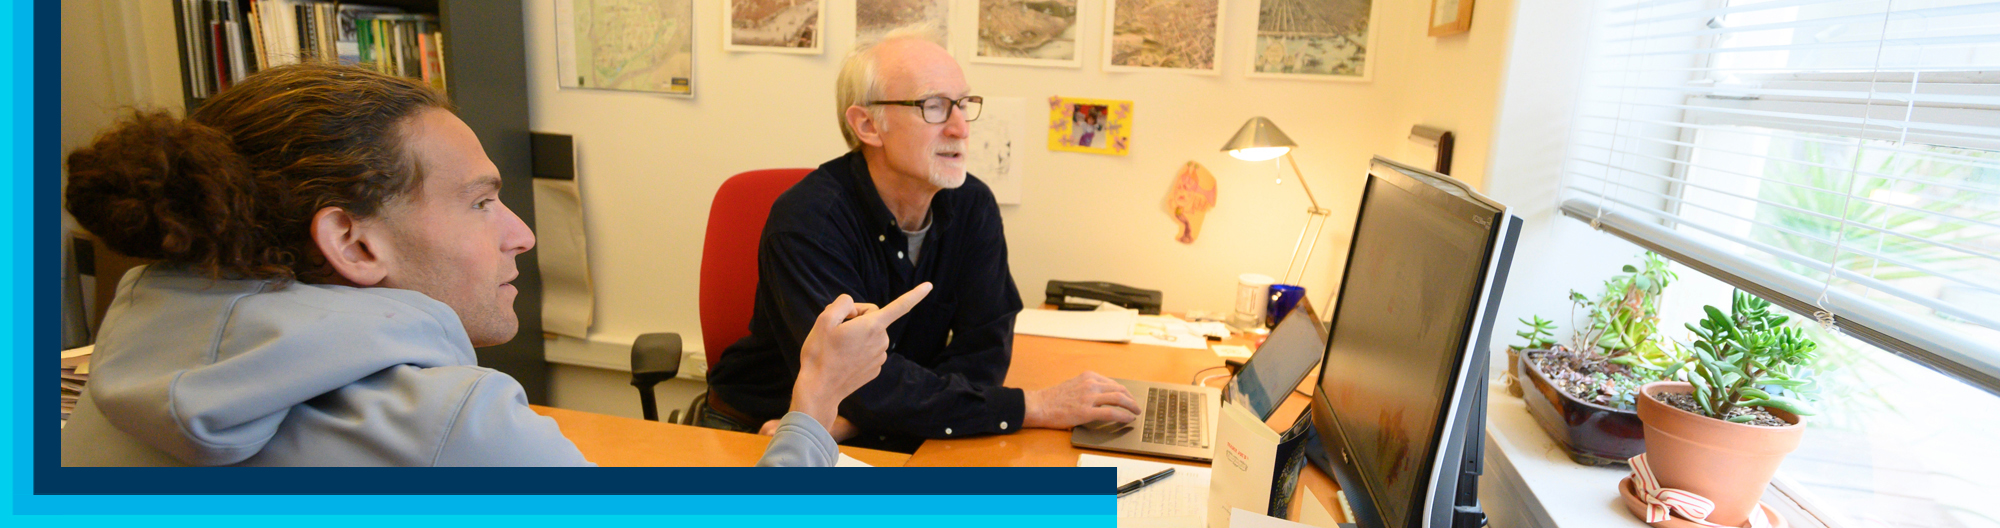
1593,435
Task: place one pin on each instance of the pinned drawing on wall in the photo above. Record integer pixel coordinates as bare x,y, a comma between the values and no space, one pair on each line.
1028,32
616,45
781,26
1189,199
875,18
1313,39
1145,35
991,147
1450,17
1096,126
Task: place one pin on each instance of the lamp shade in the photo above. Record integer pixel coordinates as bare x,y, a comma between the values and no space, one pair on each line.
1258,140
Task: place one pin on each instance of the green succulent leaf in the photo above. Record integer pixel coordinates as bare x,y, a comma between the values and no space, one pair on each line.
1741,418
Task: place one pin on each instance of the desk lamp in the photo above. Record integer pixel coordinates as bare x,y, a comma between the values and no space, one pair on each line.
1260,140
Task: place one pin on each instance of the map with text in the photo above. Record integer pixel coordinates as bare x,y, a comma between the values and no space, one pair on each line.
642,45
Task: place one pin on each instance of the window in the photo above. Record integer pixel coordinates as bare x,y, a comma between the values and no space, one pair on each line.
1841,159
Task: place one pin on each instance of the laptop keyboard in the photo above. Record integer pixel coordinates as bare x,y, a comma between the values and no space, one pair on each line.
1174,418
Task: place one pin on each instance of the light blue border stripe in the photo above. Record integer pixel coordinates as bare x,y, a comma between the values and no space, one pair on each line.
1103,505
17,309
17,224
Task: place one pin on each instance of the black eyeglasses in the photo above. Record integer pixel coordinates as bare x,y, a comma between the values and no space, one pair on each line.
937,109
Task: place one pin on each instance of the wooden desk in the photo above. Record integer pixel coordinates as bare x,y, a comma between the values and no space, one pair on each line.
614,441
1044,362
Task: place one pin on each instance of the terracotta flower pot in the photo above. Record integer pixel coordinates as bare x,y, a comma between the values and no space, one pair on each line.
1592,434
1514,371
1728,463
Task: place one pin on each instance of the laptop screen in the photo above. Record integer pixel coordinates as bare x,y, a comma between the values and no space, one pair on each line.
1288,354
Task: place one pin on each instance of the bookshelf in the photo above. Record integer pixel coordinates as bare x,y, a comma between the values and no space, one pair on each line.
485,72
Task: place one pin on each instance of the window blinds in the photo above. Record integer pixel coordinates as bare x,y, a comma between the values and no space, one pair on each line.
1839,157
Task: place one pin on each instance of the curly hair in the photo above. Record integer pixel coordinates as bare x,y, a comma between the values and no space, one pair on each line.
231,190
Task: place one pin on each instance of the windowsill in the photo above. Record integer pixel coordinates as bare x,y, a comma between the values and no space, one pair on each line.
1525,469
1530,481
614,353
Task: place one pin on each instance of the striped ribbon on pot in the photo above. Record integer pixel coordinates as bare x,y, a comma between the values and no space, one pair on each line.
1664,502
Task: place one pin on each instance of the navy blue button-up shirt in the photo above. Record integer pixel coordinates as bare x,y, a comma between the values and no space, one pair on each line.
831,234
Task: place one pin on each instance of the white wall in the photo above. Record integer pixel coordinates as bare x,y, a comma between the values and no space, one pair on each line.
1536,115
649,164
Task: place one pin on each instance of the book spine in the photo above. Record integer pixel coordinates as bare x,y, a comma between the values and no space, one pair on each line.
257,46
437,46
424,57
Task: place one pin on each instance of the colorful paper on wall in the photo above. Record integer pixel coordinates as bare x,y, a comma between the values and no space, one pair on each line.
1095,126
1188,202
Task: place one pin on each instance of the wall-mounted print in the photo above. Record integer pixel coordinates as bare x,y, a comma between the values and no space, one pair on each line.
1096,126
1450,17
1028,32
875,18
1142,35
994,144
783,26
644,46
1313,39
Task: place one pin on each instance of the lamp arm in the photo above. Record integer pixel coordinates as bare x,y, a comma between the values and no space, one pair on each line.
1302,184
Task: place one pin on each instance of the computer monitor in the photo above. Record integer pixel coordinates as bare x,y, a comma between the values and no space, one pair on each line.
1400,409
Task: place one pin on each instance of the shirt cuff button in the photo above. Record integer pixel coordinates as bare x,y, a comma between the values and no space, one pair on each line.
881,238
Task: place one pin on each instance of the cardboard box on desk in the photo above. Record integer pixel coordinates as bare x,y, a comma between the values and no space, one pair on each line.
1255,468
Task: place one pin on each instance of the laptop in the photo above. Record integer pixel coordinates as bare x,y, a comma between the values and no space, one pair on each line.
1178,420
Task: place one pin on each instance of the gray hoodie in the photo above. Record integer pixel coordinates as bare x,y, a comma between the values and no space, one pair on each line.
192,371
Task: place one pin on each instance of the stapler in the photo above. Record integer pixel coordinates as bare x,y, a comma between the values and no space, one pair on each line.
1145,301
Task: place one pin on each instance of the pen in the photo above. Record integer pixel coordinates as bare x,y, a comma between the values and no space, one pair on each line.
1129,487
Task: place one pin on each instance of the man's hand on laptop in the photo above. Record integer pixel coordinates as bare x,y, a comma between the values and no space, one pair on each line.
1088,397
845,350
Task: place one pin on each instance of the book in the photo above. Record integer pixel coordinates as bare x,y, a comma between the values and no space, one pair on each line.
1256,469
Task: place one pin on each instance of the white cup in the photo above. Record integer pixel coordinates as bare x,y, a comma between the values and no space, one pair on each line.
1253,292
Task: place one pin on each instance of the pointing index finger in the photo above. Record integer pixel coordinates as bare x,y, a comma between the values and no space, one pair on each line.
902,305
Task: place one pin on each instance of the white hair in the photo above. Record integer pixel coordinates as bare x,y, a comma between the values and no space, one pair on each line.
858,82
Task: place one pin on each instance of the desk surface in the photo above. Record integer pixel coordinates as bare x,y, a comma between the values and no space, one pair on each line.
614,441
1038,362
1043,362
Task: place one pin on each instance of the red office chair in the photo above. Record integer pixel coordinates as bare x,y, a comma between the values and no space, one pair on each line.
728,283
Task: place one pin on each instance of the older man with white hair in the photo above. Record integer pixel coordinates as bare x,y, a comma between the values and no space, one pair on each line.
898,209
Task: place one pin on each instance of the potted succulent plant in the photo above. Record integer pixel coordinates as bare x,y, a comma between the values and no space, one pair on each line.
1540,335
1582,396
1720,434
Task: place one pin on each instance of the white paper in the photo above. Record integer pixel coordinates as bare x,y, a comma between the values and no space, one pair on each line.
848,461
995,145
1314,513
1177,501
1104,325
564,257
1246,458
1167,331
1241,518
1231,351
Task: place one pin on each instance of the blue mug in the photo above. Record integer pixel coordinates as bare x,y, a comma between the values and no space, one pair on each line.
1284,297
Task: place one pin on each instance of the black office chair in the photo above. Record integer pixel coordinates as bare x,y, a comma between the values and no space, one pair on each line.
656,358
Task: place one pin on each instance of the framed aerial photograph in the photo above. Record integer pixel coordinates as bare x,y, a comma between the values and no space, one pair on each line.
1095,126
781,26
1151,35
1324,40
875,18
1450,17
1028,32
